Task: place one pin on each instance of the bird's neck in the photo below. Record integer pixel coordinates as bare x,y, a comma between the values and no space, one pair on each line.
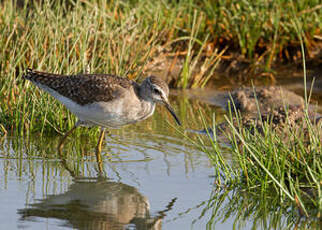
141,91
147,109
146,102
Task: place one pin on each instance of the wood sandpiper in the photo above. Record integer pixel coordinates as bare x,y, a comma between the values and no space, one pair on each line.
103,100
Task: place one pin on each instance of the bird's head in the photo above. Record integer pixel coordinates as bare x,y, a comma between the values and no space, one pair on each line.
157,90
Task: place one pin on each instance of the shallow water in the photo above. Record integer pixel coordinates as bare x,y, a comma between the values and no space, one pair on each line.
153,178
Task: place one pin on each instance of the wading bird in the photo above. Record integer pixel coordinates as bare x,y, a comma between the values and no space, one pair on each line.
103,100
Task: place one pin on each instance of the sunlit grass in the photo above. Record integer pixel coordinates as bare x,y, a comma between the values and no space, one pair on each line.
274,170
122,37
72,38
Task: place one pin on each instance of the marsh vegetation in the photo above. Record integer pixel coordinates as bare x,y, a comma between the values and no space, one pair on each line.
258,173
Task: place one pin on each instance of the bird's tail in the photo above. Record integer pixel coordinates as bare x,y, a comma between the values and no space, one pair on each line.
29,74
38,77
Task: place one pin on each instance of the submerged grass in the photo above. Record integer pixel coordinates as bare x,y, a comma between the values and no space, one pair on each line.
285,168
269,177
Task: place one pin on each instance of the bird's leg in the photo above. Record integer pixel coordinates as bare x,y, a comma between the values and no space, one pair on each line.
99,150
62,140
100,141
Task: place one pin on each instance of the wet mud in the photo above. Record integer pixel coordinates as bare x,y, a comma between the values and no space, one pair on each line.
273,105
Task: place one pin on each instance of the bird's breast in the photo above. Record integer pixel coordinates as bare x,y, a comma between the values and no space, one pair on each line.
114,113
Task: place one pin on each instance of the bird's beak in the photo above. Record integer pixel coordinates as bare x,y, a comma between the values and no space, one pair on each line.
168,106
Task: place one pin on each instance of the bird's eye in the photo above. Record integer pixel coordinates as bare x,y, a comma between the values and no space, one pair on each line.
156,91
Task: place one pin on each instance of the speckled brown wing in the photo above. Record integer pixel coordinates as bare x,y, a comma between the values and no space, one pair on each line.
82,88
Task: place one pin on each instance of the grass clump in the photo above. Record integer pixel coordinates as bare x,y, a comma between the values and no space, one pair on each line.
263,27
271,173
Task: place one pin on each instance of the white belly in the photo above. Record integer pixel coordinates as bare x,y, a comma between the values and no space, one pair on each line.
112,114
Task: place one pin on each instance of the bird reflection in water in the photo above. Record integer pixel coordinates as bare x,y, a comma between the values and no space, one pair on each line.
98,203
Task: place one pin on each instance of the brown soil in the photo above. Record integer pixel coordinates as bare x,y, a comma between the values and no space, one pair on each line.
276,106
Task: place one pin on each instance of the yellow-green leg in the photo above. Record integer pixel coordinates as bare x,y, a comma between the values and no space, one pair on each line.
99,150
100,141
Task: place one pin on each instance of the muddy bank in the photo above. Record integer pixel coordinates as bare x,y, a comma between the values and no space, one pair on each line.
280,108
276,106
